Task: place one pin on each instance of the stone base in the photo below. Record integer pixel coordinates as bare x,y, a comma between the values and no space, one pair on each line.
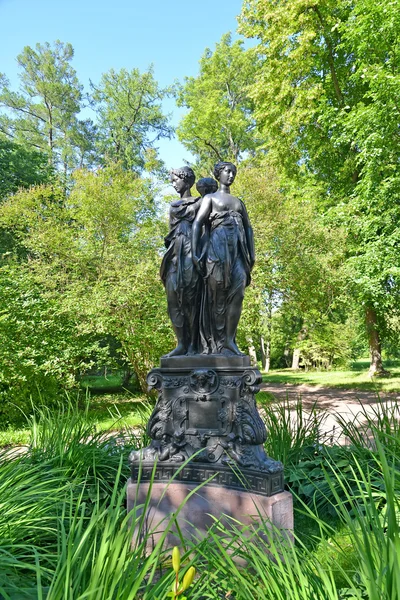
206,506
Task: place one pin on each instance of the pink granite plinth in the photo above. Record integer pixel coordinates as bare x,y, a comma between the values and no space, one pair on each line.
201,510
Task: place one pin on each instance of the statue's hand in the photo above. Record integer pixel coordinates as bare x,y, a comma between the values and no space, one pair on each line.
197,264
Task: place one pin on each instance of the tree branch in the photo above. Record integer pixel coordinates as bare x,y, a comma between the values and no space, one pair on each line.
331,62
209,144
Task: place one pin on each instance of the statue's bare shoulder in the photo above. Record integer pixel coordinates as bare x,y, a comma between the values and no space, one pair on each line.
221,201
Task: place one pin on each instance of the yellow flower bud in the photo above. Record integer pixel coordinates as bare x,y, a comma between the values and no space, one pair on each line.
188,578
176,559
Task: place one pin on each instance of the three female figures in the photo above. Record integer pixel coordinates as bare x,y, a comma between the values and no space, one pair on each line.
207,265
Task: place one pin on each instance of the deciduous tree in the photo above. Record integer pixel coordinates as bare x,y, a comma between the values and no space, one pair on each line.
327,101
298,257
42,114
95,254
20,167
219,124
130,117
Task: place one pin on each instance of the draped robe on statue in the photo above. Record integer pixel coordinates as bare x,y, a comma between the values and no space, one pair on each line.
177,270
227,273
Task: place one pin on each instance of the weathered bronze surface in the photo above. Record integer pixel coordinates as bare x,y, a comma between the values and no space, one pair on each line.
206,411
180,277
224,261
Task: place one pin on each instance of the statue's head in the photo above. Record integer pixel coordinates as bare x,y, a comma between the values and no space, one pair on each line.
225,172
206,185
182,179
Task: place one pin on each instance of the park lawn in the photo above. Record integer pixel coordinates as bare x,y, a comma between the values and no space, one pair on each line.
117,411
101,381
106,412
356,377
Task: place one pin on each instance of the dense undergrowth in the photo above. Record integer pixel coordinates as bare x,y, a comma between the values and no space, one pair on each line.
64,532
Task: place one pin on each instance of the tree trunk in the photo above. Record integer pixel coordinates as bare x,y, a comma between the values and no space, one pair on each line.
266,346
252,352
295,359
265,354
286,356
296,352
376,367
126,377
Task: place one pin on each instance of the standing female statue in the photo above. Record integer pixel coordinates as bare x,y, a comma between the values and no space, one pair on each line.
180,278
228,261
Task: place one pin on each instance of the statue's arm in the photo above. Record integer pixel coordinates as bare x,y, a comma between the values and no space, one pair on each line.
249,234
201,217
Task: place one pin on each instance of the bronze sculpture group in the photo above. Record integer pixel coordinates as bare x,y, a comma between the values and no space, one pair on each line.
206,411
207,265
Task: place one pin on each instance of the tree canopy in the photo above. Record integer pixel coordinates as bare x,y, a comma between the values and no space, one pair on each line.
308,105
129,116
326,98
219,123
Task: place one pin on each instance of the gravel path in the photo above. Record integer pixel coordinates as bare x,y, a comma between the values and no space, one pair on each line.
334,402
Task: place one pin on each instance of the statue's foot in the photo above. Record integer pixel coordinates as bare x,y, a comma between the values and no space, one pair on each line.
191,350
180,350
231,348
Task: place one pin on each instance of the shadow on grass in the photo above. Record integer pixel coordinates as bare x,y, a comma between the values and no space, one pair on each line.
108,384
117,411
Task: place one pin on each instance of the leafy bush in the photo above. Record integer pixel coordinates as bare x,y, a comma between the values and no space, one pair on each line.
41,350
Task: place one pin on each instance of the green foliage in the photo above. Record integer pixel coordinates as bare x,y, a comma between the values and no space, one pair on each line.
308,478
43,114
219,124
328,343
40,346
130,118
20,167
93,260
359,560
291,429
122,295
297,256
63,525
326,99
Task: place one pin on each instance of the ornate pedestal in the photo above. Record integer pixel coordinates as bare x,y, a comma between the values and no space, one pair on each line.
206,412
206,415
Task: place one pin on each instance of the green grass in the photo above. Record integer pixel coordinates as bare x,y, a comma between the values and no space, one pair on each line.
101,381
356,378
112,382
105,412
116,411
65,535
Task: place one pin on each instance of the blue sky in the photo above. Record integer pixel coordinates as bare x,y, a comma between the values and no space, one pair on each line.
120,33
